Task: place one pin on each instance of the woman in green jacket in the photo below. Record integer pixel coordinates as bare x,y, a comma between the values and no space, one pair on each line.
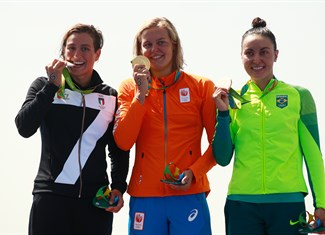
271,128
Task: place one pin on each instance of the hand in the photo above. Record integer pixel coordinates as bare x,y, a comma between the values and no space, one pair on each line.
141,76
220,96
120,202
320,214
186,181
54,71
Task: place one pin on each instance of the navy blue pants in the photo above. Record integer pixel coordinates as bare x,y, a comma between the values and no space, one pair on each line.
53,214
244,218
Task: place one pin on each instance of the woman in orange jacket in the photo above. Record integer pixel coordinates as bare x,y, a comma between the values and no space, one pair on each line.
163,110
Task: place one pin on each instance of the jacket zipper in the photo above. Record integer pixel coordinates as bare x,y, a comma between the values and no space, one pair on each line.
165,127
263,140
83,103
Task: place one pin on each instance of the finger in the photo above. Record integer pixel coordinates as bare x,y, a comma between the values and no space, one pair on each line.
139,68
55,67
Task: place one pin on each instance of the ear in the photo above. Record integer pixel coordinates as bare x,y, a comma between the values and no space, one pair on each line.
276,53
97,54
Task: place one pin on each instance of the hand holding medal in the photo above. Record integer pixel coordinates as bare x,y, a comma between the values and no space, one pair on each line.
102,198
172,175
224,95
220,94
309,225
141,60
141,75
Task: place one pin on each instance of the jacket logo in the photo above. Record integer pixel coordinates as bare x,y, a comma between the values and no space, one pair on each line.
282,101
101,102
184,95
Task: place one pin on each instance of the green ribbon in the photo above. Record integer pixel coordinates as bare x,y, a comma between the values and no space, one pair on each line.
233,94
67,78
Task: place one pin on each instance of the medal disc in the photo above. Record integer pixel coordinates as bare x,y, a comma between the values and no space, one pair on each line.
224,83
140,59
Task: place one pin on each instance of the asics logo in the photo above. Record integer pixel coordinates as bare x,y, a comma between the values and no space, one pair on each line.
193,215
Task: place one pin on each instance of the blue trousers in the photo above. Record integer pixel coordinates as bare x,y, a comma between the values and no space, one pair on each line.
172,215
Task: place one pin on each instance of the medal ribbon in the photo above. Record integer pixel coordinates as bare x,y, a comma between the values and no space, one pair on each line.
177,75
233,94
67,78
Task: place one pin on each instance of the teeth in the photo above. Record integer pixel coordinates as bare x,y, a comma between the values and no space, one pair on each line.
69,64
258,68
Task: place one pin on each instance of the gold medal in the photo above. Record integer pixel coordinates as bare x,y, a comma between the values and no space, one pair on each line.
140,59
224,83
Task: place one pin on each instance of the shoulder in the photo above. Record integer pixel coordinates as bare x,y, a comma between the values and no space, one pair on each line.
306,99
39,83
298,88
107,90
127,85
196,77
199,79
302,91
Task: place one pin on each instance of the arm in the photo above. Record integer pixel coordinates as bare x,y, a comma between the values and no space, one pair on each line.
119,171
205,162
222,144
314,164
119,165
309,140
38,101
129,116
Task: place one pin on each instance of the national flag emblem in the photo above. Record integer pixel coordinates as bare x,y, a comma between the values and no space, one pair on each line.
101,101
282,101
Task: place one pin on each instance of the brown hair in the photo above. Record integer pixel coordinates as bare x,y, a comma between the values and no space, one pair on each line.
161,22
95,34
259,27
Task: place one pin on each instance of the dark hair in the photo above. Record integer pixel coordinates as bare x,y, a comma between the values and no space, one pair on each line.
94,33
259,27
161,22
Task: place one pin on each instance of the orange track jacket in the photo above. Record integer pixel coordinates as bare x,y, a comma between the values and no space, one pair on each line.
167,128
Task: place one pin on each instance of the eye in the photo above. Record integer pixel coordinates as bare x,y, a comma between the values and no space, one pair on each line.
70,48
249,53
85,49
264,52
161,42
146,45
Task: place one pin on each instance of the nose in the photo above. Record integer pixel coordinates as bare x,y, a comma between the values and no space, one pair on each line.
256,58
77,53
154,47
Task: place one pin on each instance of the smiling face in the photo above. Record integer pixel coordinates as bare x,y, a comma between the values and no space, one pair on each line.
157,46
80,51
258,55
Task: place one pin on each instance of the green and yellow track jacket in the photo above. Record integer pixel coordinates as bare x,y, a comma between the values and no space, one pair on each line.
271,136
